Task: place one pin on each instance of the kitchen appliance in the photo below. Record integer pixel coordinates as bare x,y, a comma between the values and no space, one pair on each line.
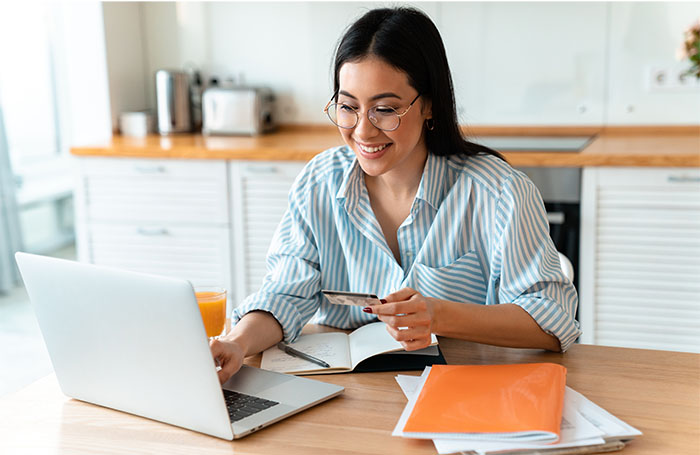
237,110
136,124
173,102
560,188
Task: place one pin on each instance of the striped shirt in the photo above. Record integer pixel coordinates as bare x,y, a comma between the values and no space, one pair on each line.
477,232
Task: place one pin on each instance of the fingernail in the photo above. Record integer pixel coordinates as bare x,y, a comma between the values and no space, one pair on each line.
382,300
367,309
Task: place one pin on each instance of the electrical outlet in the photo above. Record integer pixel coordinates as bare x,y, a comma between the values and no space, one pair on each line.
684,79
657,78
670,78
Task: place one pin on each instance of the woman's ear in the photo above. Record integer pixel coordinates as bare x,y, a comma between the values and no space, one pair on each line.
427,109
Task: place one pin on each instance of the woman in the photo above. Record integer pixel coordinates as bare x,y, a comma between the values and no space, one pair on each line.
453,238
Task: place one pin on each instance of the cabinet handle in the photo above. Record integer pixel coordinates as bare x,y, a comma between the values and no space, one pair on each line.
152,231
261,169
556,217
683,178
156,169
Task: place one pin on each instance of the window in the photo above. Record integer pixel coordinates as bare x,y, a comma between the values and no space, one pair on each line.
28,97
27,90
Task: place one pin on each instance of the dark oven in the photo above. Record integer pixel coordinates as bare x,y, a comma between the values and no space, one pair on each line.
561,191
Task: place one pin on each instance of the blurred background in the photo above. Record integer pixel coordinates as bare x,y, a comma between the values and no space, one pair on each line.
69,70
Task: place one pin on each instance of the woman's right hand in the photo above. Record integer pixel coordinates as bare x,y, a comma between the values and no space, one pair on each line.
254,332
229,355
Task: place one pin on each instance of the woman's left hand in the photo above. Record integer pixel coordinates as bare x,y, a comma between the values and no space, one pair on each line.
409,316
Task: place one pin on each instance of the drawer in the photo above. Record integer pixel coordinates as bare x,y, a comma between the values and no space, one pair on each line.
179,192
200,255
134,167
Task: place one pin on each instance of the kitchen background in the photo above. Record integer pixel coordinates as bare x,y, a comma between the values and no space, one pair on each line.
524,63
79,65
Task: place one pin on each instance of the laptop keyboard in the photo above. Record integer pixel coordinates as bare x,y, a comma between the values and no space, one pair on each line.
241,405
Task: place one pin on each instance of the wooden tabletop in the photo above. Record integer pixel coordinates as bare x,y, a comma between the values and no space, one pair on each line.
657,392
612,146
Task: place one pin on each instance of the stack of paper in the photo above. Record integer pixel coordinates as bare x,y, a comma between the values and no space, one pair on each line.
584,428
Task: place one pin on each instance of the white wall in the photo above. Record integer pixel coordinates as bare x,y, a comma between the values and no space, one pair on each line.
642,36
540,63
527,63
126,61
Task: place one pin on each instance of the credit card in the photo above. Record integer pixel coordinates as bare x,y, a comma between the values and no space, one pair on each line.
350,298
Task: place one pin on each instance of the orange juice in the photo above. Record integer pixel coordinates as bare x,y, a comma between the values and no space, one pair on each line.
212,306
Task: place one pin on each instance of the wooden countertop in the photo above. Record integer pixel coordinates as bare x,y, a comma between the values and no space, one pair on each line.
613,146
654,391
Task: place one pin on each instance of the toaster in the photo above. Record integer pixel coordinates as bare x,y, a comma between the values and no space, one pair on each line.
237,111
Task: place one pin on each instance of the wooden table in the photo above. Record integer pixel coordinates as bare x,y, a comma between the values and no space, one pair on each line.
657,392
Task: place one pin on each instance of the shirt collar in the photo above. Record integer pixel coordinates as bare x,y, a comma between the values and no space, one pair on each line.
432,183
351,186
431,188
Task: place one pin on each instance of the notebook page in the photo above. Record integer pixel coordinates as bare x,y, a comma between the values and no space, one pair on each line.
331,347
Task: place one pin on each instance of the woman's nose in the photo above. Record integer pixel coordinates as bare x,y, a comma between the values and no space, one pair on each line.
364,127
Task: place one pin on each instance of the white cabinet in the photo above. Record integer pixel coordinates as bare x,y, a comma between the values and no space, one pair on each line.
206,221
640,258
259,192
167,217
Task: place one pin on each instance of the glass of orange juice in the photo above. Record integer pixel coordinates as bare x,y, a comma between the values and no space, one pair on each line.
212,305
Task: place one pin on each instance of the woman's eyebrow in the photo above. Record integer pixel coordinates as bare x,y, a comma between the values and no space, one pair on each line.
375,97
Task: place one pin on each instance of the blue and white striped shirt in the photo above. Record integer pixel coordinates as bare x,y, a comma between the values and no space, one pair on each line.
477,232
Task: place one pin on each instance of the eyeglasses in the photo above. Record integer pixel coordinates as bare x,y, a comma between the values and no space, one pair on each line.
386,118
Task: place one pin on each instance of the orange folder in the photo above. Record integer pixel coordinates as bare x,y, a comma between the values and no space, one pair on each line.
490,399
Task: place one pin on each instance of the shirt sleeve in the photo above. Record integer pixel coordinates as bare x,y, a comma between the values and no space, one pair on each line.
291,288
528,272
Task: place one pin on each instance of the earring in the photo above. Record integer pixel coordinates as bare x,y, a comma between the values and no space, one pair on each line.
430,124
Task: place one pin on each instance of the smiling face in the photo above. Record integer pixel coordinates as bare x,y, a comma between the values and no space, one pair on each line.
371,82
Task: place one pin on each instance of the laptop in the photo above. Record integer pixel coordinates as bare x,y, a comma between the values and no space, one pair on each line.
136,343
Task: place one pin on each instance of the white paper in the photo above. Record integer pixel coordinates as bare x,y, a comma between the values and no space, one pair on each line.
611,426
417,385
409,384
372,339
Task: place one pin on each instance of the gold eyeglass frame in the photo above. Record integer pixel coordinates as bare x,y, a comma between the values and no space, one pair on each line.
357,114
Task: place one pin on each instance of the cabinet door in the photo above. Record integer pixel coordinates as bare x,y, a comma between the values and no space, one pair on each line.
166,217
640,249
259,199
143,190
200,254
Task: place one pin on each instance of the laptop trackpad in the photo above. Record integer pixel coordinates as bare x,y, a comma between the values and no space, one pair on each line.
253,381
283,388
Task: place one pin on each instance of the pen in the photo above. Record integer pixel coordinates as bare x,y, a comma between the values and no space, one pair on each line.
302,355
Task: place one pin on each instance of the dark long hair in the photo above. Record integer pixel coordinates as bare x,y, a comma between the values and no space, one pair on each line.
408,40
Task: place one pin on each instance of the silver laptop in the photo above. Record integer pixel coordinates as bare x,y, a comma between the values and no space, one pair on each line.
136,343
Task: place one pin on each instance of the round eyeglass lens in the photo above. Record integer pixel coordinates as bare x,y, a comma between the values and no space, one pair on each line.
384,118
342,115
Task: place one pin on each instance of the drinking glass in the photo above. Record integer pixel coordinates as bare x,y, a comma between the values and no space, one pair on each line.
212,306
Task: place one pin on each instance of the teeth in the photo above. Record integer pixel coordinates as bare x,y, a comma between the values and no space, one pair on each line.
373,149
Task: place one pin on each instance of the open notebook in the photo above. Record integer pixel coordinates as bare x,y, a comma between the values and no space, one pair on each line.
348,352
